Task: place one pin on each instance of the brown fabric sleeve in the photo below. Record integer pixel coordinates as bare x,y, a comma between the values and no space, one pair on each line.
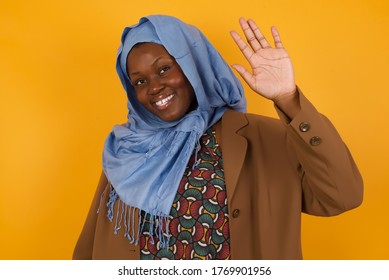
330,178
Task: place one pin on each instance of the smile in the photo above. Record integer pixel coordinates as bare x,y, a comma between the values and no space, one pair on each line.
164,101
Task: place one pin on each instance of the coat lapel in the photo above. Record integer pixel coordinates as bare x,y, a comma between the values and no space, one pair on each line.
234,148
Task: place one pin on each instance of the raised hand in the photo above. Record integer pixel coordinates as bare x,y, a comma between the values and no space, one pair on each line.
272,73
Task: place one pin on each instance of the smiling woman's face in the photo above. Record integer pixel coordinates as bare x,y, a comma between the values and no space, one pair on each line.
159,83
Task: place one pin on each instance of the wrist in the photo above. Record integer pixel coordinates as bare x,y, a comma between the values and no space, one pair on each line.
288,103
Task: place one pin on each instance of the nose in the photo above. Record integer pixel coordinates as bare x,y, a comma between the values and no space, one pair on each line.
155,86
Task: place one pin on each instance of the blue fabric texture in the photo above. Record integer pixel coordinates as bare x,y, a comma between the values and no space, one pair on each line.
145,158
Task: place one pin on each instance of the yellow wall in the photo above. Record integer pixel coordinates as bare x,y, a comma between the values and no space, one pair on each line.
60,97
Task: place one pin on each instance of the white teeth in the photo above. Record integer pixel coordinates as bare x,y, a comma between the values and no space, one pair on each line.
164,101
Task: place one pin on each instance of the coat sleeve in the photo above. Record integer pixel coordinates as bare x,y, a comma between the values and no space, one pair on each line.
331,182
85,243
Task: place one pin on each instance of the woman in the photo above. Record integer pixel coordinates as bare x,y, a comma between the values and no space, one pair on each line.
190,175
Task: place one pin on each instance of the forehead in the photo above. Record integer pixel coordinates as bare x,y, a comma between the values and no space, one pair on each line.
141,51
148,45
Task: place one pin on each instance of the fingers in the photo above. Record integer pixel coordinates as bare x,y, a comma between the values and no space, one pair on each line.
248,31
247,52
255,38
245,74
258,34
276,37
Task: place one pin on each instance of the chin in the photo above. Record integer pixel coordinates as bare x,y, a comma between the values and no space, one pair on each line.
171,118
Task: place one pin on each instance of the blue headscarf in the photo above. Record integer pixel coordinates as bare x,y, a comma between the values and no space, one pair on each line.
145,158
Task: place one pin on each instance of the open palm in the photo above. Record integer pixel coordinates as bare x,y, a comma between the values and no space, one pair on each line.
272,73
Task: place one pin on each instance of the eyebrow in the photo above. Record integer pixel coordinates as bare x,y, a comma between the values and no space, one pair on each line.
134,74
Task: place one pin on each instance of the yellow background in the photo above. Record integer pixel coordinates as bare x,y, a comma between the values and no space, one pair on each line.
60,97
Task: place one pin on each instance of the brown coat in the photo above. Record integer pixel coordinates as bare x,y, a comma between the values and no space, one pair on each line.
274,170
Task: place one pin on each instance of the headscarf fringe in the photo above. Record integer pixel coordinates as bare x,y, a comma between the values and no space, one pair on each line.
101,199
113,196
125,216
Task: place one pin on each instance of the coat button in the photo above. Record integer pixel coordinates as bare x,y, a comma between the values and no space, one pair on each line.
235,213
315,140
304,126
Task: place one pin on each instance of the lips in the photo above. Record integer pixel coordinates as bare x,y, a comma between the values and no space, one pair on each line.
162,103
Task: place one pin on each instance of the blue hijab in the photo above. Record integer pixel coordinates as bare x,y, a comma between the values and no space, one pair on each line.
145,158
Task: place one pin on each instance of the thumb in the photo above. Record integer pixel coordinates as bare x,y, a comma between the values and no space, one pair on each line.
245,74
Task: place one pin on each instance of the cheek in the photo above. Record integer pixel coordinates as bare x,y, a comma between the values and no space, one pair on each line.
183,84
189,91
179,80
141,97
176,82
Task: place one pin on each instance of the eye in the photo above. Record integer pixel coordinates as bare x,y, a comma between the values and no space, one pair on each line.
164,69
139,82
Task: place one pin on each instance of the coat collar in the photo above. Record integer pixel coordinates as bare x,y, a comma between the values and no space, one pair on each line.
234,147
